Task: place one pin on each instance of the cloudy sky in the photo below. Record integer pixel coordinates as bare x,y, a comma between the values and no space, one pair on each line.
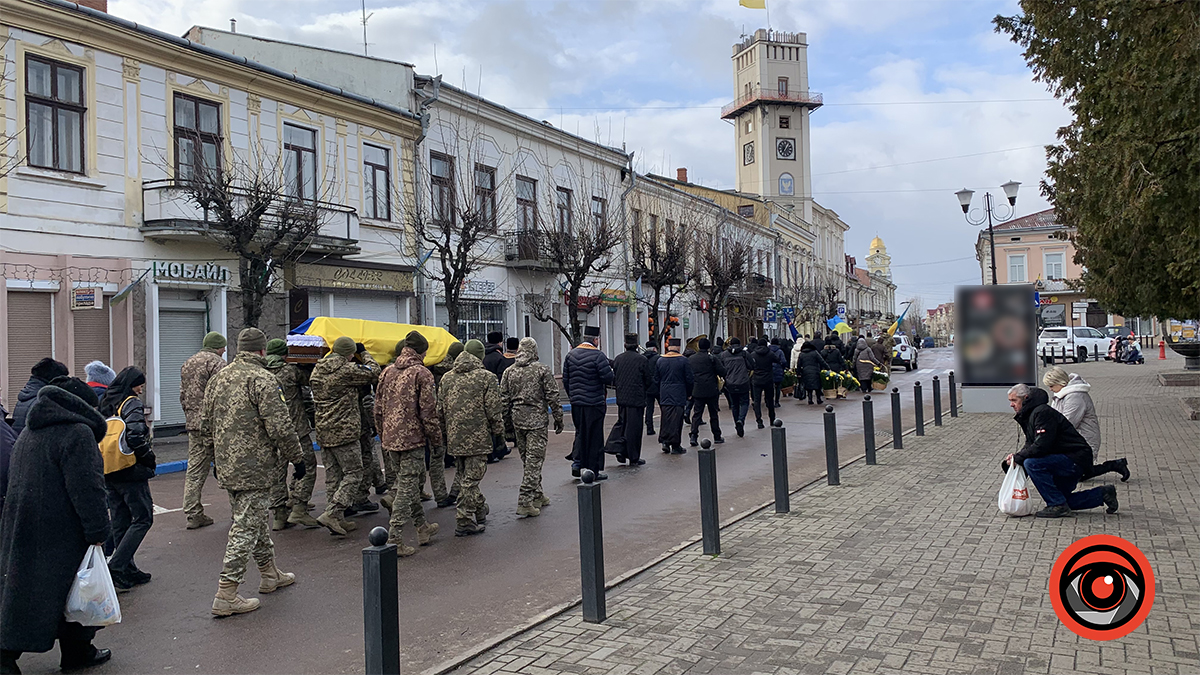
921,96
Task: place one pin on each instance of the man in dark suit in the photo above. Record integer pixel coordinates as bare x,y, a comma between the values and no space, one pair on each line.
633,380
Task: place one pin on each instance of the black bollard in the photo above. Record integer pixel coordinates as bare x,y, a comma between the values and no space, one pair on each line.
953,396
937,401
869,428
897,430
591,548
381,605
831,453
710,515
779,467
919,407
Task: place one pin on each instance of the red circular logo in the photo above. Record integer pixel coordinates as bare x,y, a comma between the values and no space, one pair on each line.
1102,587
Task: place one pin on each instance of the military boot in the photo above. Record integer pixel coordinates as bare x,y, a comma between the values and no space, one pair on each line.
426,532
386,502
198,521
332,523
482,514
542,501
273,578
347,524
299,516
229,602
528,511
403,550
465,527
280,519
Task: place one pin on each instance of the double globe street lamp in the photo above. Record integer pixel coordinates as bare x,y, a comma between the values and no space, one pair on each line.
992,213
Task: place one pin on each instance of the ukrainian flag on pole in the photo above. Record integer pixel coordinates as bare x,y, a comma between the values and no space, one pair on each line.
753,4
892,330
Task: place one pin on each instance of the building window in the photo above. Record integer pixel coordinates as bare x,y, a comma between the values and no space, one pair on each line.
1055,266
1016,269
564,210
654,229
54,112
746,210
377,183
670,229
485,195
783,86
300,161
526,203
748,125
748,154
785,122
635,233
197,138
441,187
476,318
599,212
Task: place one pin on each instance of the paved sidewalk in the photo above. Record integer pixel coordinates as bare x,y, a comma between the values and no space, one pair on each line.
908,567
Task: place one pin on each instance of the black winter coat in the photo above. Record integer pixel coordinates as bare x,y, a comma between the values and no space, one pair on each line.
137,435
780,363
632,378
673,372
810,365
705,370
586,375
652,357
55,509
738,366
1047,432
8,438
833,357
764,366
495,360
25,400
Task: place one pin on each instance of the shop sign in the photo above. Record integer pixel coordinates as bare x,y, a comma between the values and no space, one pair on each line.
356,278
687,323
185,271
87,298
612,297
478,287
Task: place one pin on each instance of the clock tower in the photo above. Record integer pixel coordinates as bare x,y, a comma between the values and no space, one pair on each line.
770,118
878,260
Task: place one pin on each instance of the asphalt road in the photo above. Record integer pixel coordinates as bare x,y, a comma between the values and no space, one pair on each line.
456,592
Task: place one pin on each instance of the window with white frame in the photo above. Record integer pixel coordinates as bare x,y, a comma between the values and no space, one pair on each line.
1016,268
376,182
197,138
1055,265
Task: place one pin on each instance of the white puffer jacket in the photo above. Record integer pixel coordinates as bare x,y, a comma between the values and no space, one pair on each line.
1075,403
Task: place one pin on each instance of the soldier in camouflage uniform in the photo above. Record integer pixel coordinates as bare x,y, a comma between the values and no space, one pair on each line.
193,378
335,382
293,382
470,407
372,475
528,389
438,460
406,415
246,426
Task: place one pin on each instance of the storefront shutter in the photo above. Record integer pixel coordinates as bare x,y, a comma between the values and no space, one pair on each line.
92,331
180,334
366,306
29,338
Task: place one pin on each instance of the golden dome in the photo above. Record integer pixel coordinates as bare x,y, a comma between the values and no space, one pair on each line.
877,243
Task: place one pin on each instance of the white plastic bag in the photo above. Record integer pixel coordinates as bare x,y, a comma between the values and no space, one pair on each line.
93,598
1015,498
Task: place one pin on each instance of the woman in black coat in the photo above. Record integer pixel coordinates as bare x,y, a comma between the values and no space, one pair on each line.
129,503
811,364
55,509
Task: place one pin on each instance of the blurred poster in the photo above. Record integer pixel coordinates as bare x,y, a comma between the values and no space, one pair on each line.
996,334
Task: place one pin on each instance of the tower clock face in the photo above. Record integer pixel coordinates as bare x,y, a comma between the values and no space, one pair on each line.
785,148
748,153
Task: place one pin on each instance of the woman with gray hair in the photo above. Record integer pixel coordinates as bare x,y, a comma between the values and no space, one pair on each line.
1072,399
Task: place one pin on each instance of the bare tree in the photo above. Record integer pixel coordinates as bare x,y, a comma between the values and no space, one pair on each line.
10,150
262,209
723,266
664,250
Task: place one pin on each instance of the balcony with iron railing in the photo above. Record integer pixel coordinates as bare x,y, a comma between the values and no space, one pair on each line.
760,95
168,213
527,249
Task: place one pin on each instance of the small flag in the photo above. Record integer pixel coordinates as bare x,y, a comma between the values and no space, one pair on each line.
120,297
892,330
753,4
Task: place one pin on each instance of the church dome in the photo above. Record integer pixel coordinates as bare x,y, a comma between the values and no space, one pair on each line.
877,244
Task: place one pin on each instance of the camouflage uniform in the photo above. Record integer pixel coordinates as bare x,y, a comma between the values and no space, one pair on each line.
437,451
406,416
293,382
246,425
469,403
335,382
193,378
372,475
528,389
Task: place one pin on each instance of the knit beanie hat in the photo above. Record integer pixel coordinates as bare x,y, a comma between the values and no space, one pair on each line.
417,341
456,348
214,340
277,347
47,369
99,373
474,347
344,346
252,340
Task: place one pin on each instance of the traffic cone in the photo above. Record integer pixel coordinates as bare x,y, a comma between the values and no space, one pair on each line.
1162,351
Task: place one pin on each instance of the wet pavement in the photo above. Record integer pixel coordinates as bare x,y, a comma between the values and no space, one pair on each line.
457,592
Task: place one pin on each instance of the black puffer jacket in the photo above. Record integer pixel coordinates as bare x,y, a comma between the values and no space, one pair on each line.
810,365
706,368
738,366
632,378
652,357
25,400
1047,432
586,375
137,436
764,366
495,360
833,357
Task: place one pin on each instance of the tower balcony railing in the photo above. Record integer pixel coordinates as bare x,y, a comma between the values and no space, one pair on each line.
759,95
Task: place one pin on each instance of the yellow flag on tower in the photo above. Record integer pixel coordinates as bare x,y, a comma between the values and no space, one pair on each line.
753,4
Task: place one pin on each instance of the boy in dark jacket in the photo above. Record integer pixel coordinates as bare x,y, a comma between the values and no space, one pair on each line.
674,376
651,355
763,380
738,366
632,379
706,391
1055,456
129,503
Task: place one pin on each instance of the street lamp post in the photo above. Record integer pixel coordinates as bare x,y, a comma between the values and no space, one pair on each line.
992,214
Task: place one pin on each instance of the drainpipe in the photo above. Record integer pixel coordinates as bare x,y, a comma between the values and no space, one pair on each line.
625,227
419,275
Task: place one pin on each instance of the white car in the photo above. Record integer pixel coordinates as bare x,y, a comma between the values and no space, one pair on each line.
904,353
1078,343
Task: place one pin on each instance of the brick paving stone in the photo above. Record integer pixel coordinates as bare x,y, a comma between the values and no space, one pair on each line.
908,567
